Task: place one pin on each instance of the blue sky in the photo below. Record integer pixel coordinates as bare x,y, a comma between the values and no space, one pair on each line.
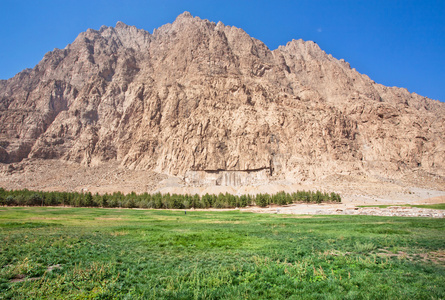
396,43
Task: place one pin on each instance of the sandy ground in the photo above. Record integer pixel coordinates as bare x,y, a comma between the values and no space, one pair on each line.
348,209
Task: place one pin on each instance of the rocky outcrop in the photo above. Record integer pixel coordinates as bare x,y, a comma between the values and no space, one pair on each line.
198,99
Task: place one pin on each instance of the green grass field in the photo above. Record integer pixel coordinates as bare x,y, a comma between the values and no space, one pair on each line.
93,253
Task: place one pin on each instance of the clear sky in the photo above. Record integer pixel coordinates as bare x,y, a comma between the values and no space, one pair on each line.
395,42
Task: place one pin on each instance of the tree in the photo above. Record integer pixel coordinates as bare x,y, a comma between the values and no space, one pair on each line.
10,200
261,200
88,199
35,199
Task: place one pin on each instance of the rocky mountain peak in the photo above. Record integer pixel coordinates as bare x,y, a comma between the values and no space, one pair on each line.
185,15
121,25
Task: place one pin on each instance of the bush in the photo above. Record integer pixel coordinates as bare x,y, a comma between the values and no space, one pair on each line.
364,247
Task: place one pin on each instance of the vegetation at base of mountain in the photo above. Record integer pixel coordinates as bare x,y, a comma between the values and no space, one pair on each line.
158,200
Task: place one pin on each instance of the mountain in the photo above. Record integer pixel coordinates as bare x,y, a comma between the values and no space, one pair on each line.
210,104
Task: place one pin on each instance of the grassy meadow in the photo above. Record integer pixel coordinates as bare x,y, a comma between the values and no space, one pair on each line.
96,253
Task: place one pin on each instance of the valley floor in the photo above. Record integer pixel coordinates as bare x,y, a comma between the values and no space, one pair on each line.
56,175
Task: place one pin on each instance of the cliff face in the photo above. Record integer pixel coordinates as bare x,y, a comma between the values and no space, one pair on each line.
197,98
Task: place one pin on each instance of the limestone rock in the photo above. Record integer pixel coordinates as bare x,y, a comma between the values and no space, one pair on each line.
195,99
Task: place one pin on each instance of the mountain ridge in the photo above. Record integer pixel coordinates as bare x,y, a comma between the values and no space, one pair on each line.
197,99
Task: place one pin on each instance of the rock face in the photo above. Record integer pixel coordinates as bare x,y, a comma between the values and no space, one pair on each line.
209,103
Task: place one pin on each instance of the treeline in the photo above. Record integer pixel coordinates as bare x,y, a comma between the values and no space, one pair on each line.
158,200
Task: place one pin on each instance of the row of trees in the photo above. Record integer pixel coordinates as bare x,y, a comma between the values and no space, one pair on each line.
133,200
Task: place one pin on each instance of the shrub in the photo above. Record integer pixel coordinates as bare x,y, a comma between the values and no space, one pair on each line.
364,248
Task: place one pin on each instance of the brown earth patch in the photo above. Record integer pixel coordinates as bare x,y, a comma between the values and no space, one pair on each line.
436,257
434,200
223,222
119,233
23,278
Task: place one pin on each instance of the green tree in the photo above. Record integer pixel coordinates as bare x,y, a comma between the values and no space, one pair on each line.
35,199
88,200
10,200
262,200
